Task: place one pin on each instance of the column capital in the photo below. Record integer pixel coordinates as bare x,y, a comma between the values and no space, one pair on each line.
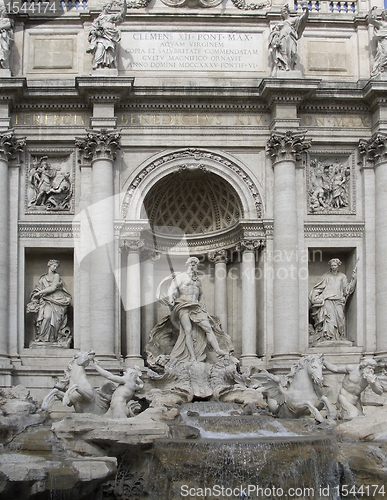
249,245
131,246
151,255
375,149
287,146
99,145
10,146
218,256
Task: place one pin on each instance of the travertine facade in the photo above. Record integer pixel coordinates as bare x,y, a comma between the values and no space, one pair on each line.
191,144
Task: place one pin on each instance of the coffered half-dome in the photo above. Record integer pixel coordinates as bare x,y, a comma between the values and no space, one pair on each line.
196,201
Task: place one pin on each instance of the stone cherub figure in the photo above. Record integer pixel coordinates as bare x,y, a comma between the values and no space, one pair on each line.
357,378
104,36
380,32
327,302
189,333
283,39
50,300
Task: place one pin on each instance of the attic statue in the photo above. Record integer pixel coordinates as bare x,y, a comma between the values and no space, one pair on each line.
380,32
104,36
283,39
6,38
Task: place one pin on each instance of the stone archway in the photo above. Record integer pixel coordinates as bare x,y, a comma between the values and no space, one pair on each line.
215,204
222,164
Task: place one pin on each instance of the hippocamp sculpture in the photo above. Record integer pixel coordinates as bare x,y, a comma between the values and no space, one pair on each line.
75,389
302,394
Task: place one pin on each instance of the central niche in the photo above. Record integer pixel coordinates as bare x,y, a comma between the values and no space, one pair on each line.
194,200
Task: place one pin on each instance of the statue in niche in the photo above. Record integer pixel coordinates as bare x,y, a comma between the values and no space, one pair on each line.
329,186
327,304
6,38
380,31
357,378
122,405
283,39
50,300
189,333
50,190
104,36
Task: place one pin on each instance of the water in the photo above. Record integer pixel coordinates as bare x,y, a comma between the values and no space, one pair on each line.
266,462
237,452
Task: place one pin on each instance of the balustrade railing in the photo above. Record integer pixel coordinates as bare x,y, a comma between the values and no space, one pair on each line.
326,6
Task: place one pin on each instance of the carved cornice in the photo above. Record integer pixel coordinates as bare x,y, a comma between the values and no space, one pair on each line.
342,107
196,244
10,146
197,154
49,229
287,146
375,149
102,145
334,230
218,256
37,106
238,105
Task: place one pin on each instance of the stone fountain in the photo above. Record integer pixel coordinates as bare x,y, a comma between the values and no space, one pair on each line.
195,424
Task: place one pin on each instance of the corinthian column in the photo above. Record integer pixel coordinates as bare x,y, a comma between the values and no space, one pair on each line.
376,152
285,149
9,147
219,257
148,292
100,149
249,301
133,302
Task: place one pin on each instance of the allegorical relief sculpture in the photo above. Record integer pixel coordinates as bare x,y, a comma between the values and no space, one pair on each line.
50,188
104,36
329,186
380,32
283,39
6,38
327,304
50,301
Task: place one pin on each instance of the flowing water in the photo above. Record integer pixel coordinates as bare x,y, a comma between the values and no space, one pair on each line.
244,456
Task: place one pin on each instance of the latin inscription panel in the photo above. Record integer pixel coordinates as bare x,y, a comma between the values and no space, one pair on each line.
196,51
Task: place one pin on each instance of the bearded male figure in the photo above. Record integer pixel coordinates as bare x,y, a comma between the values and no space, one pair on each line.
189,333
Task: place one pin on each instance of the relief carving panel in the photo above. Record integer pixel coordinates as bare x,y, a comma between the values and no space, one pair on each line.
331,184
50,184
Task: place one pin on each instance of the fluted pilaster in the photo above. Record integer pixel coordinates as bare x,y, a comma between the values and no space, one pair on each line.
285,149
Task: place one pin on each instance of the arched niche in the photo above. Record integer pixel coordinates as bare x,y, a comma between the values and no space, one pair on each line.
195,177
